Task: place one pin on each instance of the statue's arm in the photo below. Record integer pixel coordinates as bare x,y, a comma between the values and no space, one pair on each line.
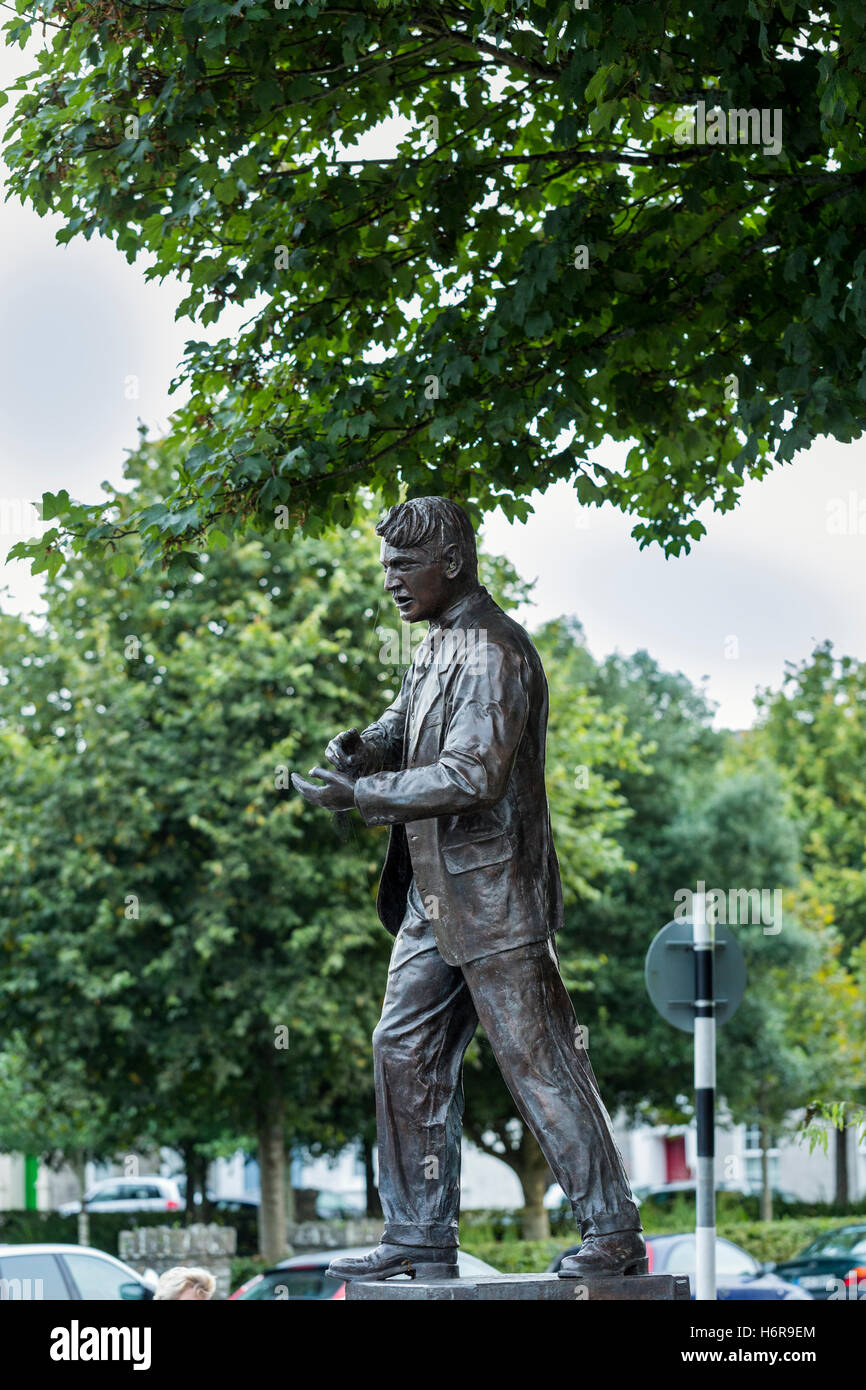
491,706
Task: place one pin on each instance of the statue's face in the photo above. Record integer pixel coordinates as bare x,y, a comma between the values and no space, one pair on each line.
417,582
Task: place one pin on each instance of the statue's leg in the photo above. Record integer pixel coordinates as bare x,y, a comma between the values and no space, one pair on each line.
524,1009
418,1046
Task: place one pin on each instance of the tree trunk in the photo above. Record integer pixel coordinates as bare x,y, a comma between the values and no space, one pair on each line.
79,1162
766,1188
535,1178
273,1242
190,1167
289,1191
840,1156
202,1165
374,1206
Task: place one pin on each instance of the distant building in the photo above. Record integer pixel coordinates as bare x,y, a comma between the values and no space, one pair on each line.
661,1154
654,1155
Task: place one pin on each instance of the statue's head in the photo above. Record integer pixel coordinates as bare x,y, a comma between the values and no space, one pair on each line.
428,554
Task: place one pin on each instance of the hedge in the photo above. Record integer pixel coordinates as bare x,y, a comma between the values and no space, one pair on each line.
492,1236
766,1240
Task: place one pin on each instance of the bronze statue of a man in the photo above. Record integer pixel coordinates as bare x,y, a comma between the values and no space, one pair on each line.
471,891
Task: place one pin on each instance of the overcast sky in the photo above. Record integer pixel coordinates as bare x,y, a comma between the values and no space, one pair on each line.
768,581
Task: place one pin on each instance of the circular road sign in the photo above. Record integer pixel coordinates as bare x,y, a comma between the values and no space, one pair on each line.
670,974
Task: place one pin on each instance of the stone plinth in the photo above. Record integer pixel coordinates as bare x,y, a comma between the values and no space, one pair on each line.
527,1288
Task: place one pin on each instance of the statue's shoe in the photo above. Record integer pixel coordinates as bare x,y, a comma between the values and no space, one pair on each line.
386,1261
622,1252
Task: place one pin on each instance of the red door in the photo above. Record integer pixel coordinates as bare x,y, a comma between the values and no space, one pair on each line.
676,1168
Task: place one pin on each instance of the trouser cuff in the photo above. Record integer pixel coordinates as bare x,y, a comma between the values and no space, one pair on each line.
441,1236
605,1223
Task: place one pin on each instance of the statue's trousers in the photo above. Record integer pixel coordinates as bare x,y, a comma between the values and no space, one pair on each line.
430,1013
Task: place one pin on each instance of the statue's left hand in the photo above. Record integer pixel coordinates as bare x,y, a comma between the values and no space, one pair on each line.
338,793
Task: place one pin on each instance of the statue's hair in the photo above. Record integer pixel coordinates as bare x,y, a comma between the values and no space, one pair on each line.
431,522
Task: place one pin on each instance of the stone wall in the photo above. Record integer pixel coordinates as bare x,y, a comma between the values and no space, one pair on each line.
334,1235
162,1247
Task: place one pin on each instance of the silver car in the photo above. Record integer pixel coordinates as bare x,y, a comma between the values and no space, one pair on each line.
128,1194
50,1273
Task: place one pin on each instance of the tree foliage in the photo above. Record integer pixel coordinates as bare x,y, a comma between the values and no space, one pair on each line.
172,920
814,728
543,262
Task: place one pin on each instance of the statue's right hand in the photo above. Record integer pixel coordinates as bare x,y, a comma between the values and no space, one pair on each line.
346,752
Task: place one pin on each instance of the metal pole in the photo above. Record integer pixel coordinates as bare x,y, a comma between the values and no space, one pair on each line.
705,1101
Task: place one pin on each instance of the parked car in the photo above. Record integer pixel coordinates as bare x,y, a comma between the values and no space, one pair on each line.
738,1274
149,1193
60,1272
340,1206
833,1266
303,1277
247,1204
665,1194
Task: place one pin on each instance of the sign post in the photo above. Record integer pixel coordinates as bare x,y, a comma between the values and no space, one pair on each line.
705,1103
696,975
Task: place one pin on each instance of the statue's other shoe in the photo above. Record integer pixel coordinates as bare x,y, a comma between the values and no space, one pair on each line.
386,1261
622,1252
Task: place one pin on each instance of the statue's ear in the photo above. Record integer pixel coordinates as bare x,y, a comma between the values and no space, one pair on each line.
452,560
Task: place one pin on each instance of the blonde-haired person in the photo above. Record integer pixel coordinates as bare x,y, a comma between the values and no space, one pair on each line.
183,1283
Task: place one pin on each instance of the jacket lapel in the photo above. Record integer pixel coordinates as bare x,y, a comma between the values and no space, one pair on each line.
448,650
427,690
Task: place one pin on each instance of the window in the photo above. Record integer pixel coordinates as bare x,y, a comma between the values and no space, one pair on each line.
31,1277
752,1138
96,1279
840,1242
731,1260
105,1194
753,1171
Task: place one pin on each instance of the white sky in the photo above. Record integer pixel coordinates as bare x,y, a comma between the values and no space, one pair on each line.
768,581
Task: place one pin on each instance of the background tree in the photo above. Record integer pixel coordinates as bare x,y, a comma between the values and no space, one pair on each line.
548,259
641,1062
702,807
814,728
171,914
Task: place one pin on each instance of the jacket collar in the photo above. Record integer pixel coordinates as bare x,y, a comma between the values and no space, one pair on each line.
454,616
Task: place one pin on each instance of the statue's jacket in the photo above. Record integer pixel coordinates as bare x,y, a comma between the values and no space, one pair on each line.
456,767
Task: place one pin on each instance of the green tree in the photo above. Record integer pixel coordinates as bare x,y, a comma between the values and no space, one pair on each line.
814,728
641,1062
778,1047
703,807
549,258
171,914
